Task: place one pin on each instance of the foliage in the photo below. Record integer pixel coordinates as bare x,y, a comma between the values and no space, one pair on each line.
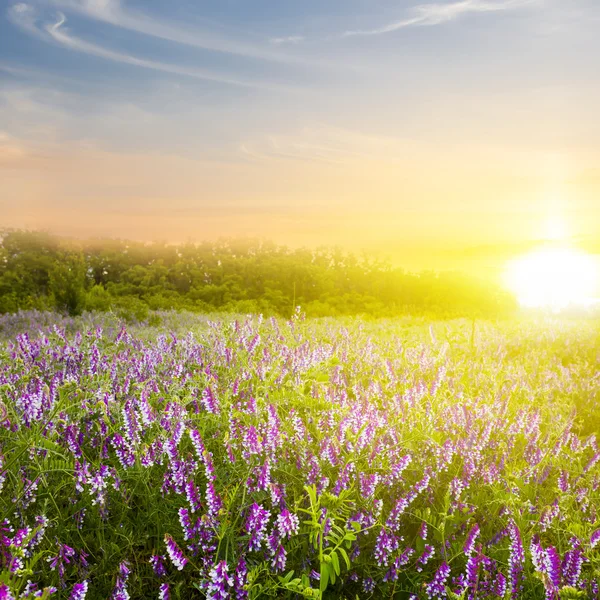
323,458
39,271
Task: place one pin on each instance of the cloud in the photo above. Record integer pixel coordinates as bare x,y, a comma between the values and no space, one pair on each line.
10,149
290,39
25,17
327,144
435,14
114,13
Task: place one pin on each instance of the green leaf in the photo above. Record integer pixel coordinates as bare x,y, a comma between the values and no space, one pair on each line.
335,561
324,577
345,556
288,577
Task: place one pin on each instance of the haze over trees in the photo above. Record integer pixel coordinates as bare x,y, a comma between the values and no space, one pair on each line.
42,271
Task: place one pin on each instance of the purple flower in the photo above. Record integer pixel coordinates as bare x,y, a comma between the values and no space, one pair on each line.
158,565
192,496
209,401
240,578
197,443
279,559
500,585
79,591
547,562
164,592
60,559
186,524
571,566
368,484
472,571
368,585
287,523
386,544
436,588
220,582
401,561
256,525
595,538
213,501
428,552
120,592
394,517
175,554
5,593
471,539
516,559
264,477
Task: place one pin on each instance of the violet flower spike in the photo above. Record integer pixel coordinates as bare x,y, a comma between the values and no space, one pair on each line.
174,552
220,582
79,591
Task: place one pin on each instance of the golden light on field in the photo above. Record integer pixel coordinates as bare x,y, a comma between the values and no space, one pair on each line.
554,277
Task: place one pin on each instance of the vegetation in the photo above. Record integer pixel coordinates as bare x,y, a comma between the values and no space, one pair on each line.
331,458
41,271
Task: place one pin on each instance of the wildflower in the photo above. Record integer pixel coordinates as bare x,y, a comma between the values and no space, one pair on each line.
60,559
394,517
368,484
386,544
279,559
220,582
192,496
547,562
256,525
436,588
175,554
163,592
158,565
240,578
197,443
368,585
500,585
213,501
209,401
120,591
471,539
287,523
472,571
186,524
516,559
571,566
5,593
79,591
428,552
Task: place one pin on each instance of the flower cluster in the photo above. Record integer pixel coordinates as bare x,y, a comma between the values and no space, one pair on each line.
255,447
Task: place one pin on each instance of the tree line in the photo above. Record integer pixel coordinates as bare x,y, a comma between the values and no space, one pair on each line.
42,271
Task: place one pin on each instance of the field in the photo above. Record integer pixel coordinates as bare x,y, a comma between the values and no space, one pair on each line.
221,458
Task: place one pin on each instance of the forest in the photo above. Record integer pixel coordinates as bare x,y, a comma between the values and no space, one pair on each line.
42,271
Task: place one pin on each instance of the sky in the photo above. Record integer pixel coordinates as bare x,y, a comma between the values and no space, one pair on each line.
442,131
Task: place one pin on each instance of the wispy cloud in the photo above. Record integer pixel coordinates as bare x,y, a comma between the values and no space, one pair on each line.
435,14
10,150
290,39
114,13
327,144
25,17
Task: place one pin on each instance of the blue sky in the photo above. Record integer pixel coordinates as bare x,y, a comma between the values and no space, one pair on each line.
341,121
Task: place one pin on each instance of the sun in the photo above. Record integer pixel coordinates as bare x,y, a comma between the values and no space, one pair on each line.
553,277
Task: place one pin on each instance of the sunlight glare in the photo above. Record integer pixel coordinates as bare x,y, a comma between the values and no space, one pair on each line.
556,278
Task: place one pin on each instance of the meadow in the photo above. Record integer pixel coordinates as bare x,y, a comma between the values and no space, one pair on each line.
220,457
